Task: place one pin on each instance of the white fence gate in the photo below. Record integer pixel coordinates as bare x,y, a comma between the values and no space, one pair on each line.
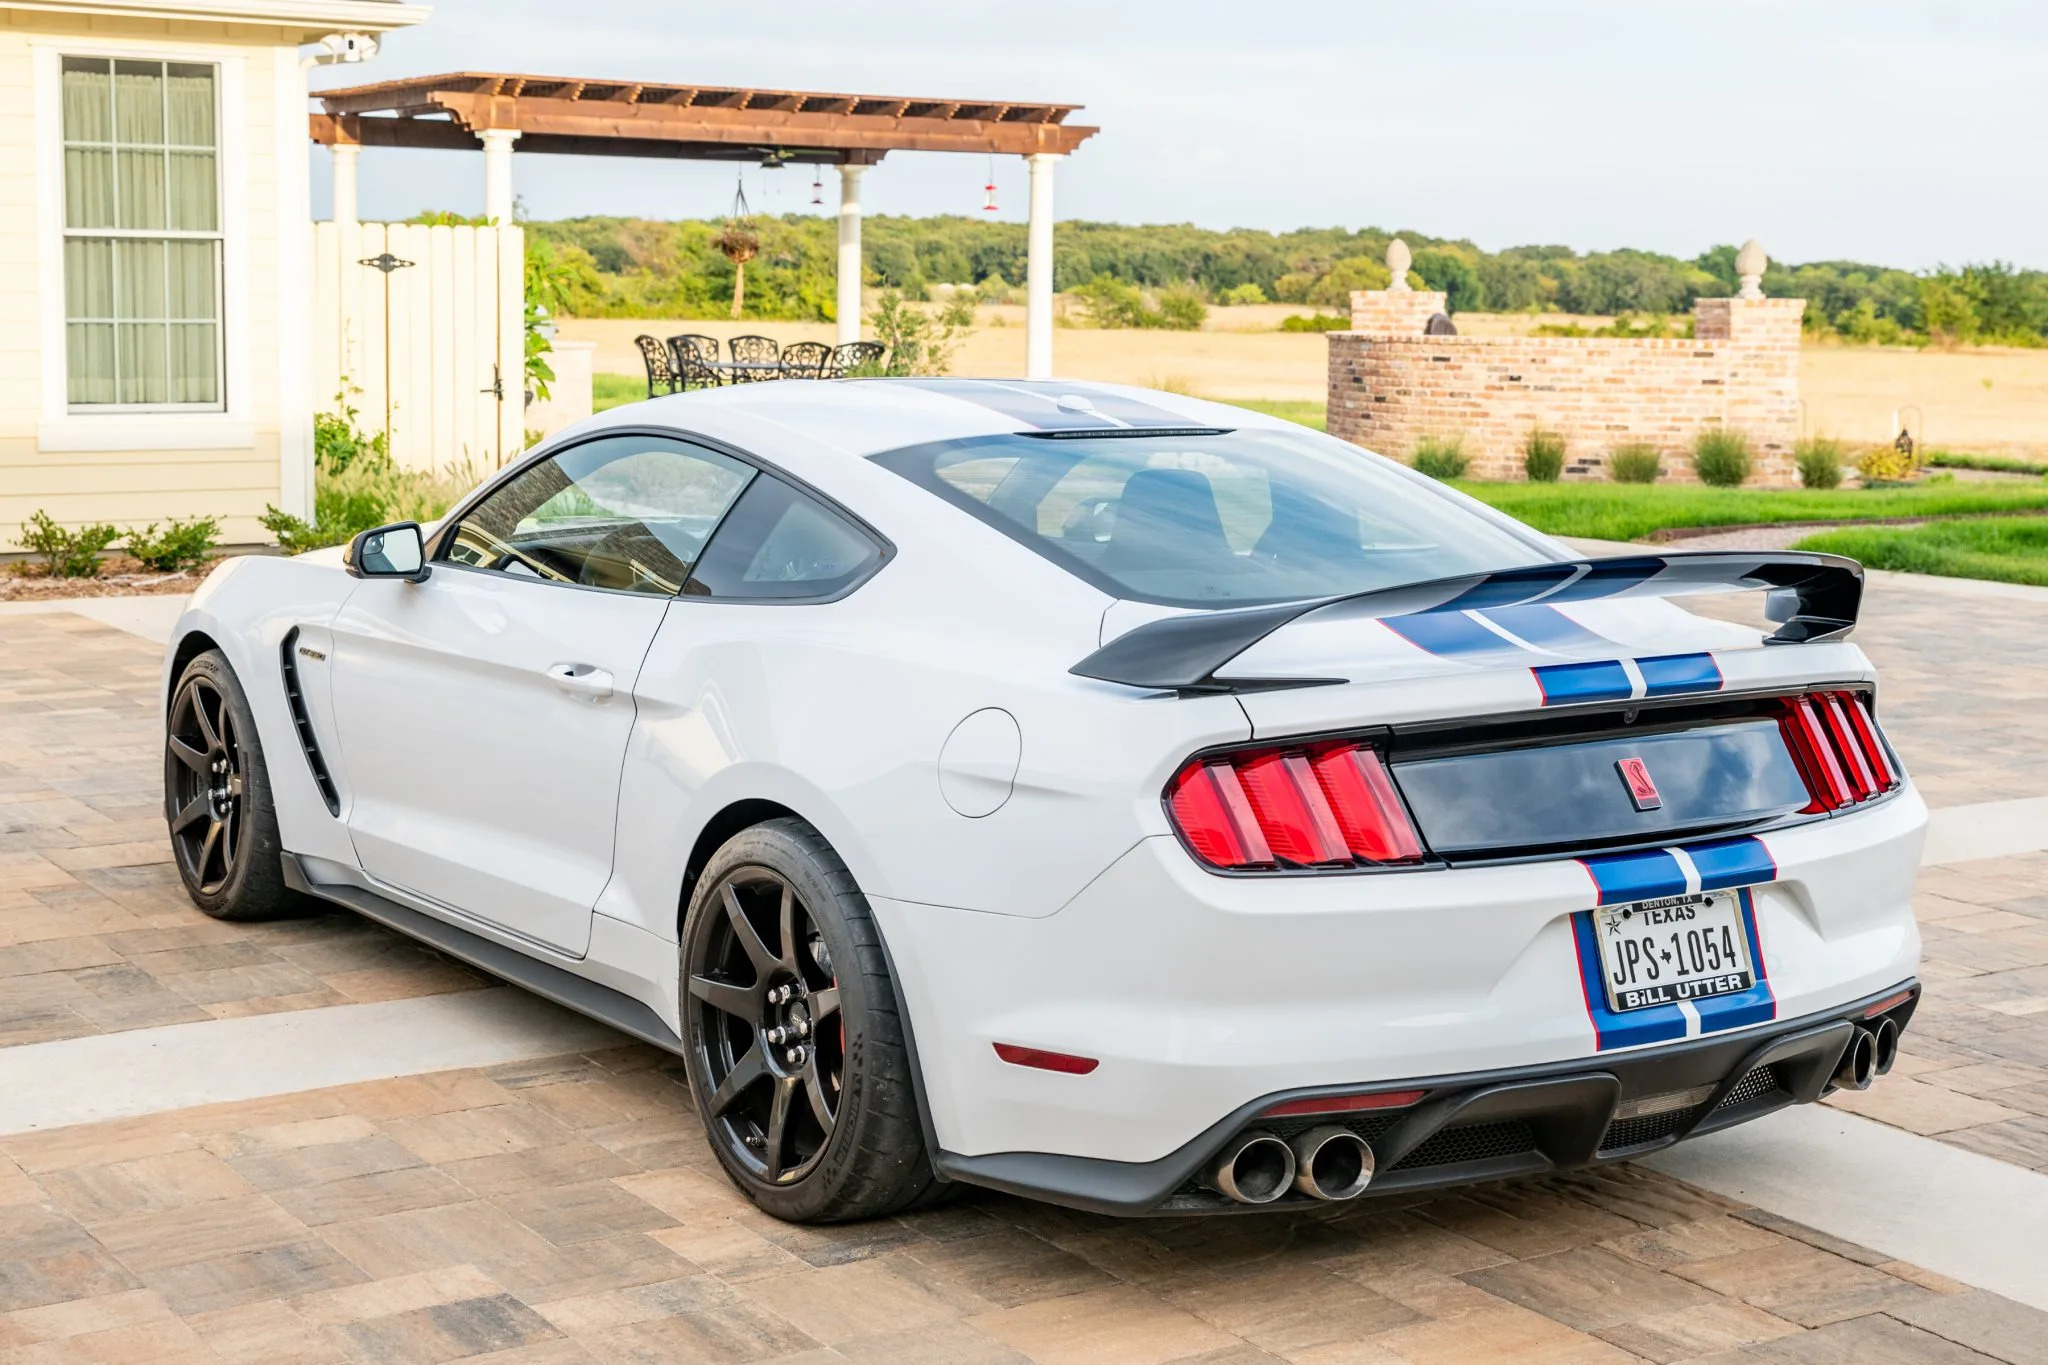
422,329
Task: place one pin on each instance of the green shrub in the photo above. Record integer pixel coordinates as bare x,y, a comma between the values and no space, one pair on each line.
1315,322
1113,304
1721,457
1543,456
1820,462
1636,462
1441,457
68,554
1885,464
183,545
338,440
1239,295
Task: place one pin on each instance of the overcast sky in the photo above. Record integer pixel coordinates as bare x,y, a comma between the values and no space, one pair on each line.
1880,130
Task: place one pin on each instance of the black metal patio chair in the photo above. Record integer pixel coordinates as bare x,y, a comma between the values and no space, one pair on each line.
806,360
858,357
695,357
754,351
661,371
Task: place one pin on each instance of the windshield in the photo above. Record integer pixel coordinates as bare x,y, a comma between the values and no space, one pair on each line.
1224,519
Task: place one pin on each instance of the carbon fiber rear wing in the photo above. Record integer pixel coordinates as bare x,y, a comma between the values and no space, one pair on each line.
1813,597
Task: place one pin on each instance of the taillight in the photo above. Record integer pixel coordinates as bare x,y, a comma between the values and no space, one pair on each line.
1836,744
1319,806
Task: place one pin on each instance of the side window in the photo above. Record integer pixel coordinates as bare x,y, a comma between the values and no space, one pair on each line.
629,513
780,544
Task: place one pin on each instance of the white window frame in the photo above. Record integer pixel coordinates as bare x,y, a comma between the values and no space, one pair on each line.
144,427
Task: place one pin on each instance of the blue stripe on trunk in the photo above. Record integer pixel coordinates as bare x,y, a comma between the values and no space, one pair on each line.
1563,683
1671,674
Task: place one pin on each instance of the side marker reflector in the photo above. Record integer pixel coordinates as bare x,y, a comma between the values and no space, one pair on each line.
1343,1104
1065,1062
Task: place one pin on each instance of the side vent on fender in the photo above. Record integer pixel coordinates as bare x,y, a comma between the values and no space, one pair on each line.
295,698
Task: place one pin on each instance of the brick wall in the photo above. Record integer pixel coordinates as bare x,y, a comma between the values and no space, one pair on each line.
1390,385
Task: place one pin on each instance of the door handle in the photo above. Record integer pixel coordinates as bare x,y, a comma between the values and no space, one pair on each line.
587,681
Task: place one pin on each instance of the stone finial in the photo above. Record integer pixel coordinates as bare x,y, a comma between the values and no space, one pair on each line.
1749,265
1398,261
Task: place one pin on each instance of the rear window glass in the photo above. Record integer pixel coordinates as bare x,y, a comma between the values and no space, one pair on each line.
1227,519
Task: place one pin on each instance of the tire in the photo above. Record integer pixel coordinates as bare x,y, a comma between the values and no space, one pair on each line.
224,838
848,1143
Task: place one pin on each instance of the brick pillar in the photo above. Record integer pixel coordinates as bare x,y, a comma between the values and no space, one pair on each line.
1394,312
1759,340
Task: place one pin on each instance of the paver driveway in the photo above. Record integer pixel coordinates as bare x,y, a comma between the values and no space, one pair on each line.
566,1208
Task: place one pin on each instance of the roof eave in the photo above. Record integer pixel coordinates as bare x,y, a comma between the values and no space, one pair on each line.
313,17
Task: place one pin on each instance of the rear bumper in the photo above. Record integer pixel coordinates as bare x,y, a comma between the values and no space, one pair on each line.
1200,994
1485,1125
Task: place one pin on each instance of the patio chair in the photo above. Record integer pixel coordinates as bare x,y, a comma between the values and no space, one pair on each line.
806,360
661,370
754,350
858,357
695,357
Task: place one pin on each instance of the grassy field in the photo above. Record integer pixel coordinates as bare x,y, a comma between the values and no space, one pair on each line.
2006,550
1612,511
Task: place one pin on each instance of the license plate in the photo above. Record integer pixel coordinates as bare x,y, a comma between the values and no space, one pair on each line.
1680,948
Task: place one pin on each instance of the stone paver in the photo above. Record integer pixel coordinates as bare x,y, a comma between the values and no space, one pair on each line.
96,935
569,1210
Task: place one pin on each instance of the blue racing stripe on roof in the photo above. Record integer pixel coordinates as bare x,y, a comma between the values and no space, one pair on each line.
1641,876
1732,862
1453,635
1671,674
1543,624
1566,683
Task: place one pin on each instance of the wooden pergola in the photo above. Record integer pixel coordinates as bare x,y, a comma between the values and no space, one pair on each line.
590,117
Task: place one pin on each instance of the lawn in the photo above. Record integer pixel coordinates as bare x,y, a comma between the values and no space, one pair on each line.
1309,414
2009,550
1615,511
610,390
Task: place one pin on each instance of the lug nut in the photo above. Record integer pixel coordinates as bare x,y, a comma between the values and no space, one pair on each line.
795,1056
777,1036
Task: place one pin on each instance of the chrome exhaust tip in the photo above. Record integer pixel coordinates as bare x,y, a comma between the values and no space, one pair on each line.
1331,1163
1859,1062
1256,1168
1884,1045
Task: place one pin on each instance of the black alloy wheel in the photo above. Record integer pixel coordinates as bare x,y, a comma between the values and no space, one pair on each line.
771,1040
205,786
796,1047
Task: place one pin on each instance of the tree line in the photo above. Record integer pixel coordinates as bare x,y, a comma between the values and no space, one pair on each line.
633,267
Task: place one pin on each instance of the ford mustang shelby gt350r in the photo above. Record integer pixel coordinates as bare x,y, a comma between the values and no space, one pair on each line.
1096,794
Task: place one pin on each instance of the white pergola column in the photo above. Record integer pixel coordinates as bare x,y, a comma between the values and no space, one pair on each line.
498,173
1038,270
346,157
849,253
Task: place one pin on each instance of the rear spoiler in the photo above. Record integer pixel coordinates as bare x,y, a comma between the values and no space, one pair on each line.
1814,597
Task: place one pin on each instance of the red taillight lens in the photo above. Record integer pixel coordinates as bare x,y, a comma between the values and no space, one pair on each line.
1325,805
1836,744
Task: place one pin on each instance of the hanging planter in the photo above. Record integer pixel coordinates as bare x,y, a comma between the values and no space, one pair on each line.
739,242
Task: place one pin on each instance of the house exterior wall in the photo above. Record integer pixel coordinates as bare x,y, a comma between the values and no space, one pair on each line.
134,468
1389,386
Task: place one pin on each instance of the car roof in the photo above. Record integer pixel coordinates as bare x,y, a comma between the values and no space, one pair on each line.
867,416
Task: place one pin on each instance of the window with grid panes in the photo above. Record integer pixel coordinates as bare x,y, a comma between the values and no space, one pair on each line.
142,238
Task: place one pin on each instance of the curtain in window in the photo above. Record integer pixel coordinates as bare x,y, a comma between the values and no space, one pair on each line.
141,168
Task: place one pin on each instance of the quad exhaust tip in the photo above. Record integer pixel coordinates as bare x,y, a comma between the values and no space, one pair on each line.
1331,1163
1859,1060
1256,1168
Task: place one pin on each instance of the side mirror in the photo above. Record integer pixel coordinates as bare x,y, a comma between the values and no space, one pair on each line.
394,551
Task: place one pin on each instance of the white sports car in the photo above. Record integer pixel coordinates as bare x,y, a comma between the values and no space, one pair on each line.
1096,794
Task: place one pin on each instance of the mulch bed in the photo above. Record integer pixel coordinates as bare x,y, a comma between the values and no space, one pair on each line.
119,576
